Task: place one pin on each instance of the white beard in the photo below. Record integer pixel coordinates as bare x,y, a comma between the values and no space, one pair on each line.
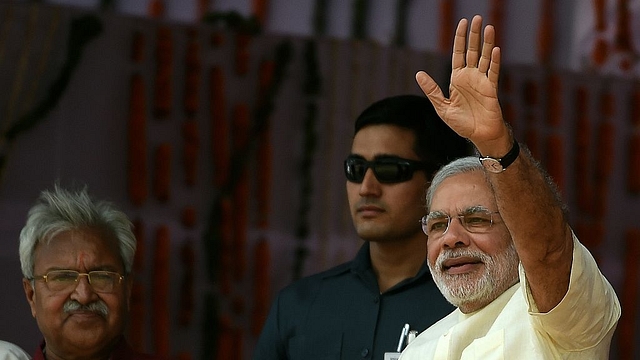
500,273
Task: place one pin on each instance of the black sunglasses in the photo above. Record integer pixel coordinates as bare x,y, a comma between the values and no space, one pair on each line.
387,170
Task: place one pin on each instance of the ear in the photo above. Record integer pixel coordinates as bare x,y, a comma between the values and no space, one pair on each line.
30,293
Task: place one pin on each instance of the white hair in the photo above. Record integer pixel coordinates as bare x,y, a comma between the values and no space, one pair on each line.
61,210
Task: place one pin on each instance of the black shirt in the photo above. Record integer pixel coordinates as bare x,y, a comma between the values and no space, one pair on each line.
340,314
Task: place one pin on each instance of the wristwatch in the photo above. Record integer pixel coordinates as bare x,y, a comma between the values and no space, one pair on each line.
499,165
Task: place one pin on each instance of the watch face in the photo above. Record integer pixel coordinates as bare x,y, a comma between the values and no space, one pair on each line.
492,165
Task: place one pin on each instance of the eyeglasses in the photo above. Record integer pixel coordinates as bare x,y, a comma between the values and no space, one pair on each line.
387,170
436,224
101,281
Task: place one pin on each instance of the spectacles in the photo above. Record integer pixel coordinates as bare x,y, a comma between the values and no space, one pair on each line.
436,224
101,281
387,170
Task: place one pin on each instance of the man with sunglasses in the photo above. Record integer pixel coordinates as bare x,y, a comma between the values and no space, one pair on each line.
499,244
359,309
76,256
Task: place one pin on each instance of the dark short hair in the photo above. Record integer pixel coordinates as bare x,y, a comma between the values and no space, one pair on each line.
436,144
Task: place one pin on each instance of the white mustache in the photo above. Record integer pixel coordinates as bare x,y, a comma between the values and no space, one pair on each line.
447,254
97,306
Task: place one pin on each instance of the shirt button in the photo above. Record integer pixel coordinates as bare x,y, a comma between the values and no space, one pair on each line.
364,352
376,299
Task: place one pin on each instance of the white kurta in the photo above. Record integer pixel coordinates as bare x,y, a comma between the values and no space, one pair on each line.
579,327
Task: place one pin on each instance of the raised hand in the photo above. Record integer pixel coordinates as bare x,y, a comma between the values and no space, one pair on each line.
473,109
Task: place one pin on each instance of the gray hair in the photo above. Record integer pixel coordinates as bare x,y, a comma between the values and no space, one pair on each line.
61,210
459,166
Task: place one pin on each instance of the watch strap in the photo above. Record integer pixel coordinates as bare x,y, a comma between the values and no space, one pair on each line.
508,158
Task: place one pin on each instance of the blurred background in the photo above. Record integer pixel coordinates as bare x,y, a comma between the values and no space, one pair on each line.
220,128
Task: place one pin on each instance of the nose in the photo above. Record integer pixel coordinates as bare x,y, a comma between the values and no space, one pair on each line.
455,235
84,293
370,186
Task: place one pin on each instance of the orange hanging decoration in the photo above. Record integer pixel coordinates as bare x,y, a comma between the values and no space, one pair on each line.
447,25
225,348
264,153
622,37
530,98
240,132
607,105
260,11
137,48
605,145
261,285
242,55
162,184
584,188
156,9
238,344
635,106
633,167
227,250
138,259
545,32
217,39
263,179
164,72
161,290
219,127
203,8
629,295
189,217
193,66
530,93
187,290
605,155
137,142
136,323
240,214
137,316
497,19
554,97
600,48
590,234
599,9
191,138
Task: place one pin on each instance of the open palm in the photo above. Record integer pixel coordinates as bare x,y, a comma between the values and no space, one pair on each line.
472,108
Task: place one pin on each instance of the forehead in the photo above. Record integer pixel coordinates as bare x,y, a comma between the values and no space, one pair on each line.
461,191
77,248
384,139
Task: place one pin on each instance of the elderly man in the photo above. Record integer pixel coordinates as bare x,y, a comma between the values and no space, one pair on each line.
76,256
499,245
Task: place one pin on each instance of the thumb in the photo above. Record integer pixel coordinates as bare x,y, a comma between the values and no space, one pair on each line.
432,90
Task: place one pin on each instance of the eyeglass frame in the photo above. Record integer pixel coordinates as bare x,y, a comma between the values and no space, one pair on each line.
45,277
412,166
471,211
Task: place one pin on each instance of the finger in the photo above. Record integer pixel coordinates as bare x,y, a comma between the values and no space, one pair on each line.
487,47
473,49
432,90
494,69
459,45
